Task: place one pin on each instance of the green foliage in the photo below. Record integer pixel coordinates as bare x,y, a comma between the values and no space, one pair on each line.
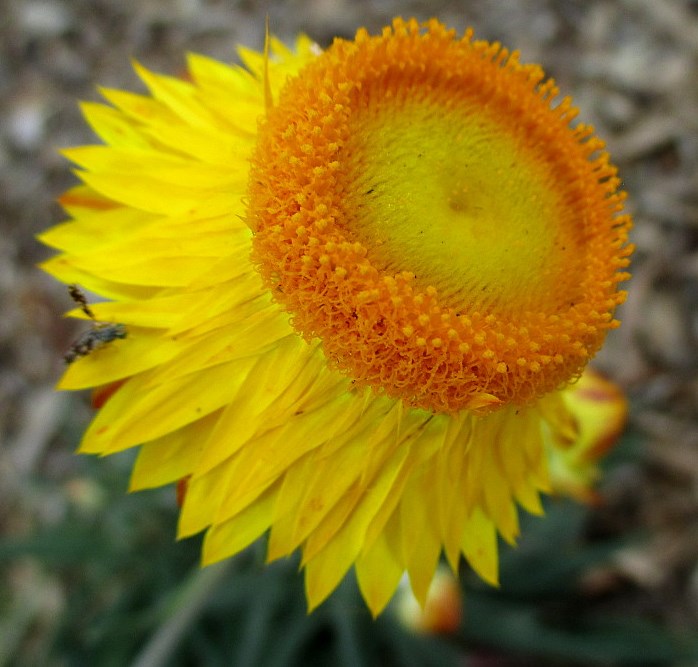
540,613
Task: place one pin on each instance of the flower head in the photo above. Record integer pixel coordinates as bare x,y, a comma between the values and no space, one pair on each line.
355,284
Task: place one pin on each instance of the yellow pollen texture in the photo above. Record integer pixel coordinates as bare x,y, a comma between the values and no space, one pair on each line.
424,205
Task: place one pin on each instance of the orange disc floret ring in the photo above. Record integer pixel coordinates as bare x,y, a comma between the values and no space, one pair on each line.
420,205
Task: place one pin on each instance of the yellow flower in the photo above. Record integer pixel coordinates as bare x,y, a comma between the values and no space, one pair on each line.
354,285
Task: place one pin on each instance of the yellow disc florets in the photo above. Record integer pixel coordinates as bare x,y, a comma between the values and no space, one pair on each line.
419,205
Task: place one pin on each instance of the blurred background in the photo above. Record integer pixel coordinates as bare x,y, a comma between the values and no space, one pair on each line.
92,576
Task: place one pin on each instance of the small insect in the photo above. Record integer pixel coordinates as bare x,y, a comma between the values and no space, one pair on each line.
100,334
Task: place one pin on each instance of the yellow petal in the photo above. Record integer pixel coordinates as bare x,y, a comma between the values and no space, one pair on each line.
139,351
94,228
421,544
141,411
177,95
379,568
232,536
171,457
479,543
155,195
113,127
328,564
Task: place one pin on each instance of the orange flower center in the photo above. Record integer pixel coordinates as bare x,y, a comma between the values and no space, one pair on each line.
418,205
